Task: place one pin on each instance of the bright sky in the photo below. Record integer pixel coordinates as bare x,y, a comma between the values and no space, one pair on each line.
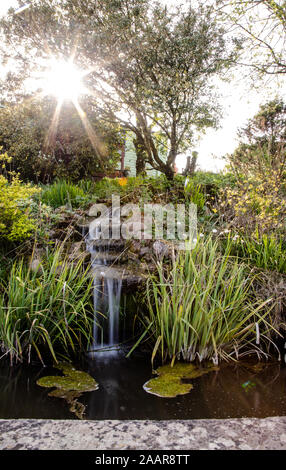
240,103
5,4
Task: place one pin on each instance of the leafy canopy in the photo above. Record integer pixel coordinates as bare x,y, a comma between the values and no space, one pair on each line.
150,69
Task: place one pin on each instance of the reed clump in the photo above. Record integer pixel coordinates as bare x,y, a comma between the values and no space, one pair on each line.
205,306
47,310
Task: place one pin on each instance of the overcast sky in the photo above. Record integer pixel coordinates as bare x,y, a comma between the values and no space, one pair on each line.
239,101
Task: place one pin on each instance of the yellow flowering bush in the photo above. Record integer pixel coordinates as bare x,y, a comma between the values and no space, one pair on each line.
255,203
4,158
15,223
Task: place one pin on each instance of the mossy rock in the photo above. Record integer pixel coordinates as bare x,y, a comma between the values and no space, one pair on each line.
169,383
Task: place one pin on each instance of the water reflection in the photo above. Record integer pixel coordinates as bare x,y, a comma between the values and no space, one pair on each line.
234,391
216,395
21,397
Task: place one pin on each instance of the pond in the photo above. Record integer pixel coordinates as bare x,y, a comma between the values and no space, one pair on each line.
234,391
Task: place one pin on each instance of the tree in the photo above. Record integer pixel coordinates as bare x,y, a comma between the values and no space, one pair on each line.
263,27
41,152
141,156
262,147
149,70
191,164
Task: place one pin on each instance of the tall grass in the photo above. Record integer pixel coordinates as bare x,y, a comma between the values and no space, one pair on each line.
204,307
46,311
61,193
265,252
194,192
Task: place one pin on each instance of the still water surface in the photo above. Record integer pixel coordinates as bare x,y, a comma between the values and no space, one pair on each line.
232,392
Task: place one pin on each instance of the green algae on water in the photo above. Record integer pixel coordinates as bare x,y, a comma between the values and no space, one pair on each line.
70,386
73,380
169,383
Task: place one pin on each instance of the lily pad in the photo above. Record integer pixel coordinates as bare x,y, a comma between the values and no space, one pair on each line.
70,386
169,383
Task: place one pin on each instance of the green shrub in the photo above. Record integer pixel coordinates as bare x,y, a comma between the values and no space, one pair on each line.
61,193
211,183
86,185
15,198
156,189
47,309
204,307
255,204
194,193
104,188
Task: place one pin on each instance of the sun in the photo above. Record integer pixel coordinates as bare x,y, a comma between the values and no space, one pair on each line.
64,81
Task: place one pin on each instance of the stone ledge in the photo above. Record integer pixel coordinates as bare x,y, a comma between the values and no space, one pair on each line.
225,434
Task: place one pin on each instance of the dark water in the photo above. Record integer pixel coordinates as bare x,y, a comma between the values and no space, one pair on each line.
232,392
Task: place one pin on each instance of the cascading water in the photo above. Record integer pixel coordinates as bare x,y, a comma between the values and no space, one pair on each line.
107,293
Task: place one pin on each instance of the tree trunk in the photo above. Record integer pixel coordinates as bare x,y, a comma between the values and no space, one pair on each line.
141,156
169,172
191,164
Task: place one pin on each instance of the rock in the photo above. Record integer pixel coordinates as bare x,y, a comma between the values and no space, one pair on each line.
160,249
145,250
133,257
135,246
35,265
77,251
36,261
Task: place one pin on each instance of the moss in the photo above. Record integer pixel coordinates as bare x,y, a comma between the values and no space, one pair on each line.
169,383
70,386
71,398
73,380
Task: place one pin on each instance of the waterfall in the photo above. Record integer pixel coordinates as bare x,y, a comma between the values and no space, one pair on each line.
107,292
114,295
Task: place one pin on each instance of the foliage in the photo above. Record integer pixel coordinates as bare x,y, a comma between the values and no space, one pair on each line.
46,310
157,189
262,142
45,146
195,194
255,204
263,32
204,306
15,221
63,192
106,187
153,63
212,182
266,252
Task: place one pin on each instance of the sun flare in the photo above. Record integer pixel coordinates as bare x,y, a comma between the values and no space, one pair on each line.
64,80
